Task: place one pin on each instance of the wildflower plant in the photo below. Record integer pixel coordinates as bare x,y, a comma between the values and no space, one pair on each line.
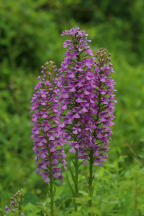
102,113
87,98
47,130
76,79
15,205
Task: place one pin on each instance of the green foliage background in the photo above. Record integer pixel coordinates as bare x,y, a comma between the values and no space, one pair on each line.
29,35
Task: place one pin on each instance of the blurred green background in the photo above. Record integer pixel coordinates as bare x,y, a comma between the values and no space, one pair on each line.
30,35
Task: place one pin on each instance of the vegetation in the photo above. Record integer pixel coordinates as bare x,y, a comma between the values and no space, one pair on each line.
29,36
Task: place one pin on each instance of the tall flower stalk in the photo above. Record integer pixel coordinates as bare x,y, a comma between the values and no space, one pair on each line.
47,130
76,84
102,114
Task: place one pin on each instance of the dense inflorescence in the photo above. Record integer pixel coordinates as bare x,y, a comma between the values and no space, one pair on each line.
105,97
86,97
47,129
103,108
76,90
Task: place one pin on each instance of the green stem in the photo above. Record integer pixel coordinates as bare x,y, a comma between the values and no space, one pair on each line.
19,209
76,166
91,160
136,213
76,172
52,197
19,201
51,189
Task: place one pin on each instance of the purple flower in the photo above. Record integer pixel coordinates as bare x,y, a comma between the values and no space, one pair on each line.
77,83
47,132
6,208
103,109
12,203
87,91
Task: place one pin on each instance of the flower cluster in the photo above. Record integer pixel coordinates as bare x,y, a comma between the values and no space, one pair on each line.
15,204
47,130
102,108
77,89
86,97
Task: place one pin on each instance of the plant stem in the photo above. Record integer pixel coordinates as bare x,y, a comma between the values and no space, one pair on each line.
136,213
19,209
51,189
76,167
51,197
91,160
76,173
